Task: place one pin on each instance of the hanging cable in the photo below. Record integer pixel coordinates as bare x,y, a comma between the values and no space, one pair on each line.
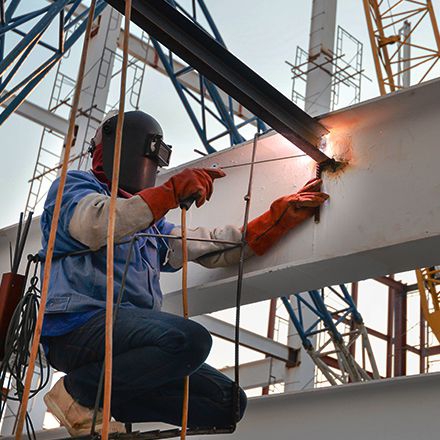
53,229
18,341
247,199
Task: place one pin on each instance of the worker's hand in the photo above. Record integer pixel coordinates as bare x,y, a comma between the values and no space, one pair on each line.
194,184
190,184
284,214
289,206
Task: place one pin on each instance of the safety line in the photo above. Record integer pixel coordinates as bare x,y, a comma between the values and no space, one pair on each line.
54,227
106,414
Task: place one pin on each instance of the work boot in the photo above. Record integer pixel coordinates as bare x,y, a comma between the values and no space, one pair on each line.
77,419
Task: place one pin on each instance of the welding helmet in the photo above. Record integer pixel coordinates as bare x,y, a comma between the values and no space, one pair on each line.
142,150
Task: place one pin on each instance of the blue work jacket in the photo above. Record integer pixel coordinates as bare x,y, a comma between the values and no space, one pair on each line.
77,285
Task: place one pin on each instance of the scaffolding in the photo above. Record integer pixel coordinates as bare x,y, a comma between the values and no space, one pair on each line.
344,67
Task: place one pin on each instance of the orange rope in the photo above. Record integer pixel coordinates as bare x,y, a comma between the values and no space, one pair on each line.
106,413
185,315
53,227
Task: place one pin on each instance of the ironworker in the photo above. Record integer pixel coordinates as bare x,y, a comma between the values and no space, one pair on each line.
152,350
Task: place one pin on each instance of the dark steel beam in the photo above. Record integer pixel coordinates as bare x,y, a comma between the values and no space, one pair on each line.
391,282
191,43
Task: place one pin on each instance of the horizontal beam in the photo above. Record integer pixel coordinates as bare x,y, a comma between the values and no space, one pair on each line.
260,373
380,217
403,408
248,339
407,410
41,116
390,282
192,44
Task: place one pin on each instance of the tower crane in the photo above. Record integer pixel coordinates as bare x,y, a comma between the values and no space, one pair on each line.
397,53
400,52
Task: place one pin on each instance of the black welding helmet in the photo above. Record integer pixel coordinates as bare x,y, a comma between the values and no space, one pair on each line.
142,150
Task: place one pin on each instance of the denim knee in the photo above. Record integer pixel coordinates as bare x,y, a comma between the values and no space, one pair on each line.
243,403
197,345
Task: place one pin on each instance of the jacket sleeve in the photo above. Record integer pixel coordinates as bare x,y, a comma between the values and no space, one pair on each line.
206,253
88,223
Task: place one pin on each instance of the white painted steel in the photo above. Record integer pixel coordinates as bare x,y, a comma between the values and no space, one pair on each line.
248,339
383,215
404,408
398,409
41,116
261,373
321,53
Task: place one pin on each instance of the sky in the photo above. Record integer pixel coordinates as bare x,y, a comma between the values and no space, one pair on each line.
262,34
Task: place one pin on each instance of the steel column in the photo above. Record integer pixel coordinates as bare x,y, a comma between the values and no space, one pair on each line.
400,329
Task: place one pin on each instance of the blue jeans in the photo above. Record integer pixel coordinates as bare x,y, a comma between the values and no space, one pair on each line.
152,353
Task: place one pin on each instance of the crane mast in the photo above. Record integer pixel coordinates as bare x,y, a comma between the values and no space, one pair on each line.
399,49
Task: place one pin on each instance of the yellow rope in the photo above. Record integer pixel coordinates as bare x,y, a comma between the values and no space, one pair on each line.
106,413
185,315
53,227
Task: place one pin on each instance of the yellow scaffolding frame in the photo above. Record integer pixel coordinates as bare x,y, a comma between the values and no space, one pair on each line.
428,281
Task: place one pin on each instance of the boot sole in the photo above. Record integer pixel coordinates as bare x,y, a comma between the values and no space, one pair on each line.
59,415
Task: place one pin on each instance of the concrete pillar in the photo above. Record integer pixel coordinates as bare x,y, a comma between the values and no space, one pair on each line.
321,45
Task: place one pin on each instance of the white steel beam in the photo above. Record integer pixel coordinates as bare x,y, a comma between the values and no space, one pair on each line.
41,116
404,408
248,339
383,215
259,373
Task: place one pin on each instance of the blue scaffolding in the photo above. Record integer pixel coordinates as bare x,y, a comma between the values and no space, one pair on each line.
32,27
339,328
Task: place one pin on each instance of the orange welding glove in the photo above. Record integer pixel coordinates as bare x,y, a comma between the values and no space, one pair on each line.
284,214
190,184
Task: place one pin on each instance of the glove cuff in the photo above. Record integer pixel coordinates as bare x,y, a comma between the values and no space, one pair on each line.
159,199
266,230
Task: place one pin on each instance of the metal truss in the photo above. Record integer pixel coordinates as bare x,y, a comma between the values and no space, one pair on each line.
33,31
428,281
341,326
401,48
